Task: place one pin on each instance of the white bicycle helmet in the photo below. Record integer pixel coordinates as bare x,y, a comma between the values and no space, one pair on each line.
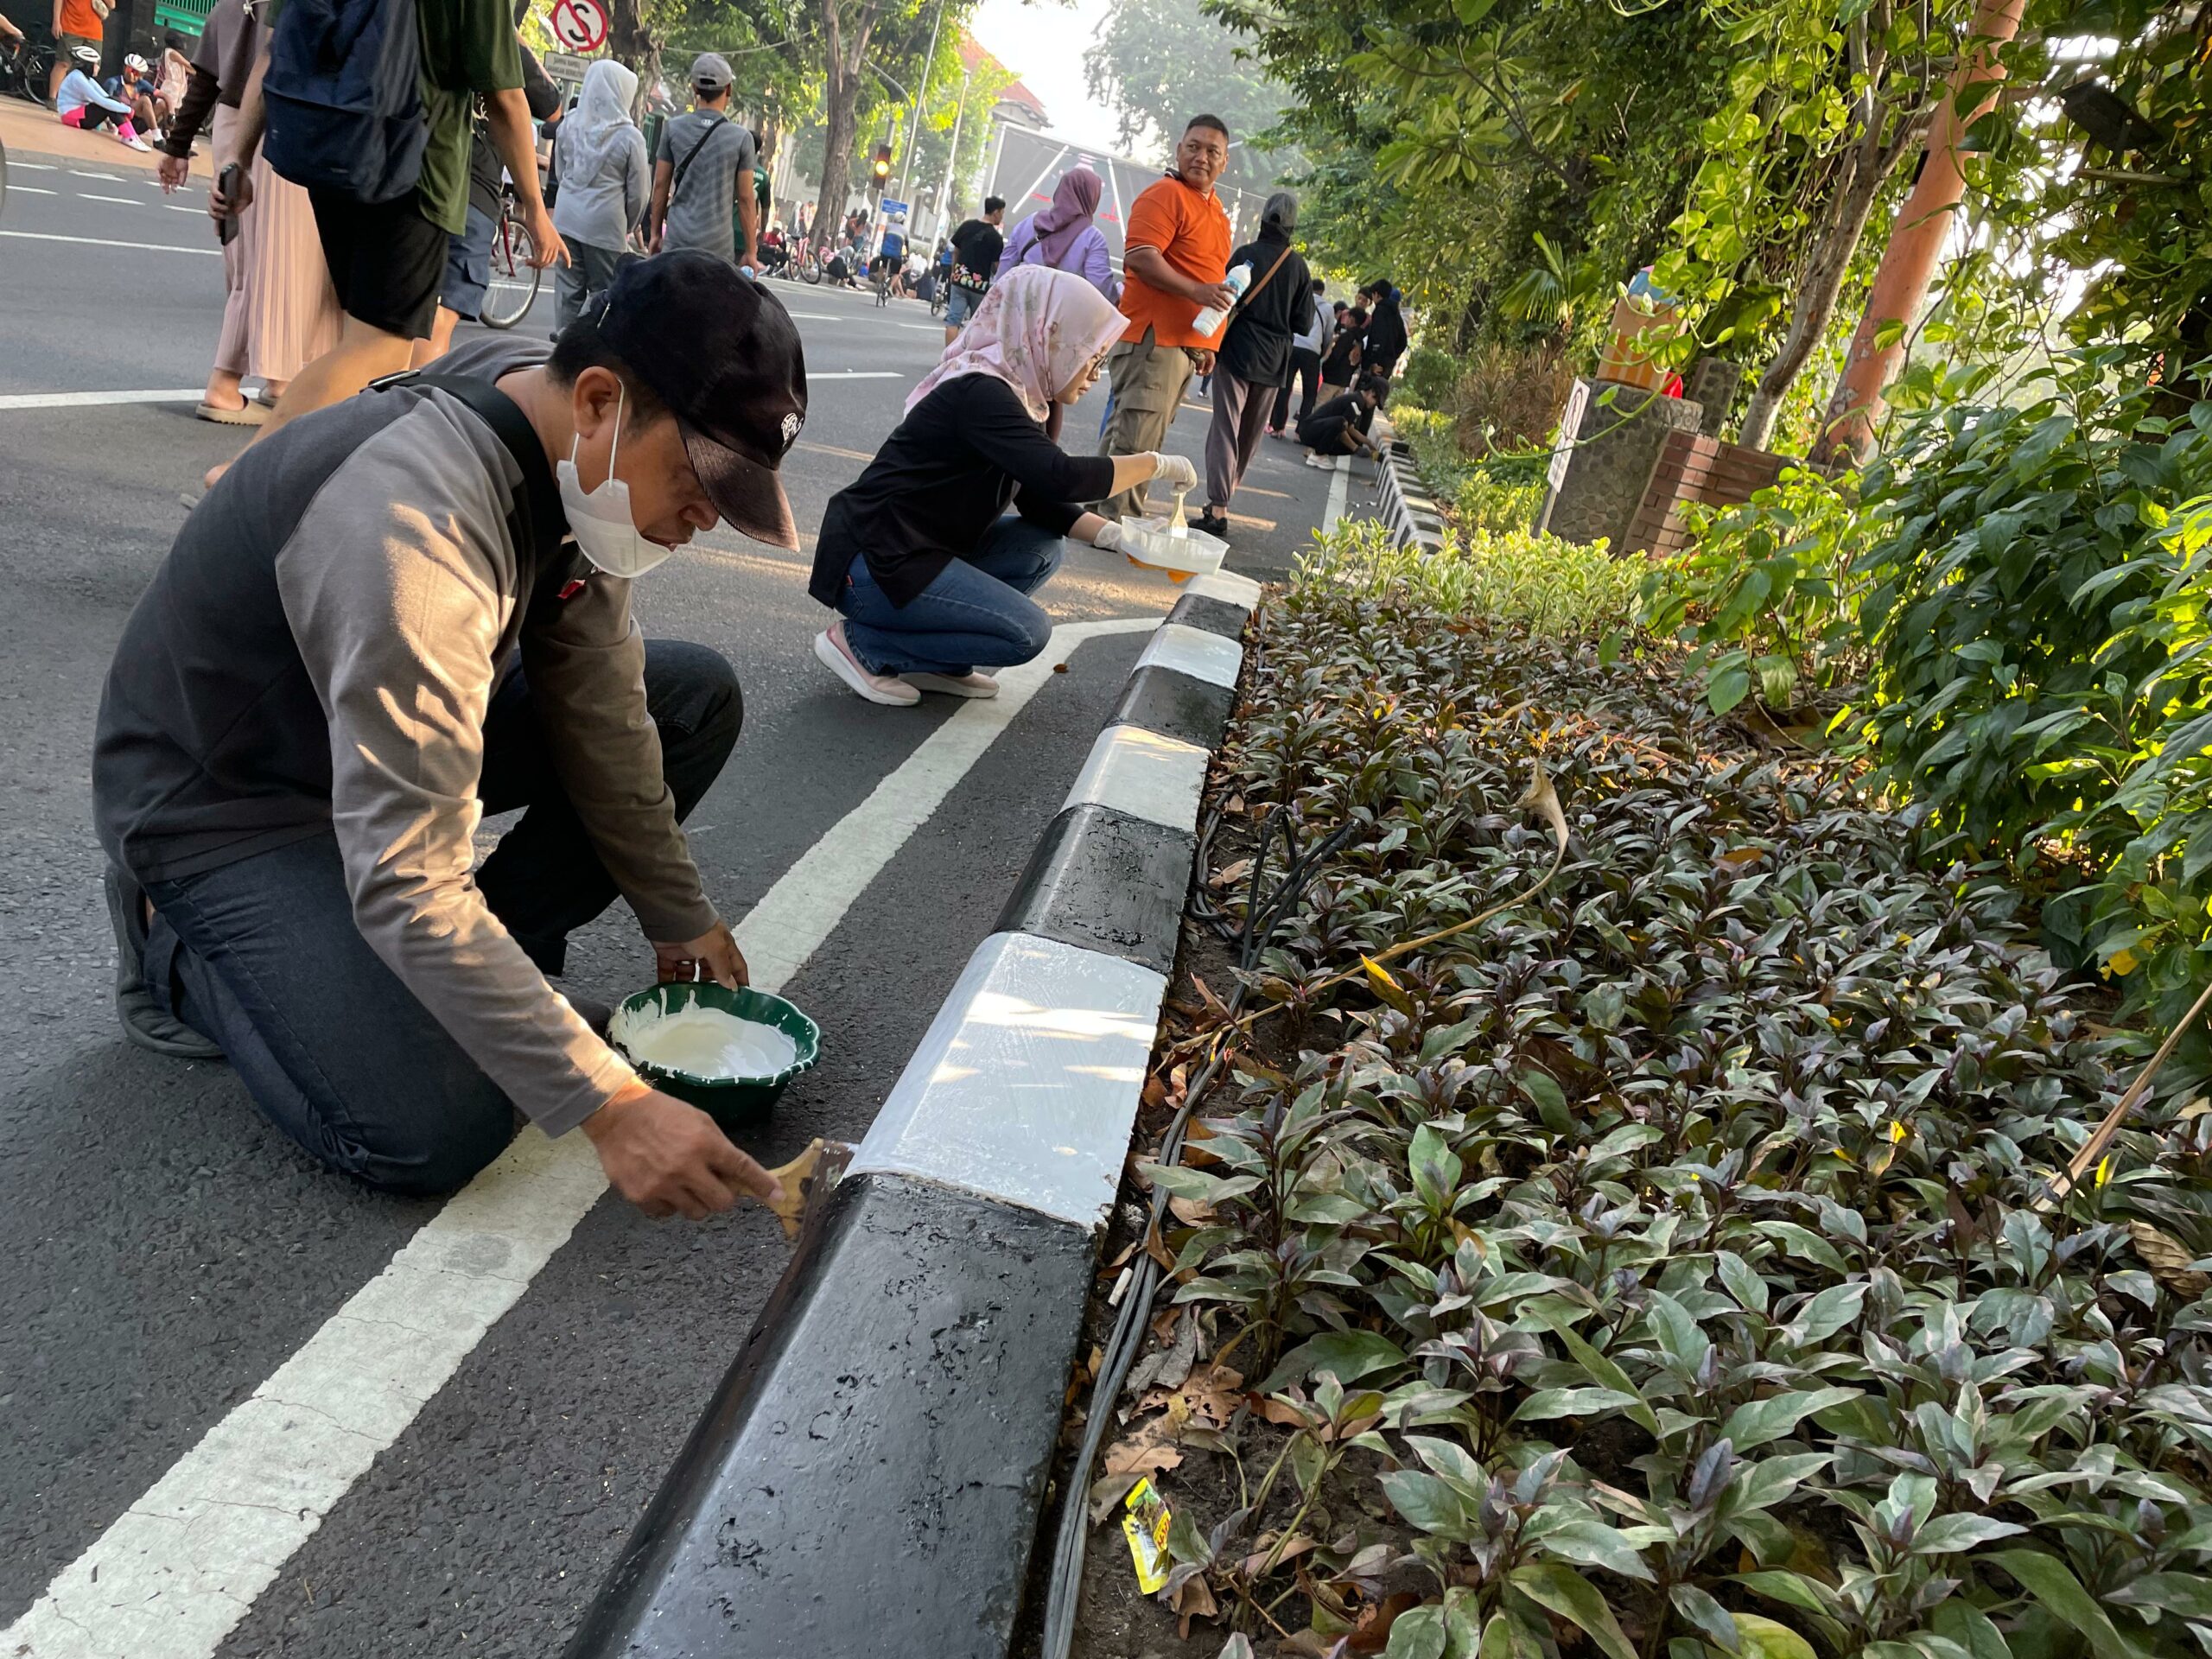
134,62
86,55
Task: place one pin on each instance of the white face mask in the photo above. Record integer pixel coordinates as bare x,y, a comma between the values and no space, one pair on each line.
600,519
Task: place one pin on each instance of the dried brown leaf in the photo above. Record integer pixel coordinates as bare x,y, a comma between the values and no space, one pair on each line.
2168,1258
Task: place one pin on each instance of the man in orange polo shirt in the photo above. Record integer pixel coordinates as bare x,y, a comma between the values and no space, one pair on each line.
1177,254
75,24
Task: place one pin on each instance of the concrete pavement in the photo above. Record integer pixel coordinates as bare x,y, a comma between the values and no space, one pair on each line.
169,1252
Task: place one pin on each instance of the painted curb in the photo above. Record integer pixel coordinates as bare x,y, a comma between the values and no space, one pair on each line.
1405,504
869,1476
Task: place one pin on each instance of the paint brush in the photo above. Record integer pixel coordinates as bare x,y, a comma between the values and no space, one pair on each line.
807,1179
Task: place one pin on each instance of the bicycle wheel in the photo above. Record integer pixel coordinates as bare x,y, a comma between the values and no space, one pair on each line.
514,276
810,268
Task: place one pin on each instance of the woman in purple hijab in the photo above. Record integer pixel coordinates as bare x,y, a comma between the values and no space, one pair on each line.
1063,238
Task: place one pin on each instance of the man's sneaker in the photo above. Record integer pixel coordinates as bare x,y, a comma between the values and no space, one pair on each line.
830,649
1211,523
965,685
1327,463
143,1021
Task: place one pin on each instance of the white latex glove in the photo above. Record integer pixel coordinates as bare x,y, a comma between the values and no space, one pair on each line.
1175,471
1109,536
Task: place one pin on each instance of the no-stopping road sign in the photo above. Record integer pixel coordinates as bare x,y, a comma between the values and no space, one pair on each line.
579,25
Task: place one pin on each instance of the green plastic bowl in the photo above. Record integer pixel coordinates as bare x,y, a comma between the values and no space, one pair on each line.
726,1099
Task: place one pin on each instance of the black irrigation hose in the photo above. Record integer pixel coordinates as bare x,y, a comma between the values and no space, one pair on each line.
1063,1586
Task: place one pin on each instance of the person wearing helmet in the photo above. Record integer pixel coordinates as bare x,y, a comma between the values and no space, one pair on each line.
135,86
81,104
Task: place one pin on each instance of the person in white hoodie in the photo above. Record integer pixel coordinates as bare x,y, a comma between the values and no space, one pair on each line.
1305,348
599,159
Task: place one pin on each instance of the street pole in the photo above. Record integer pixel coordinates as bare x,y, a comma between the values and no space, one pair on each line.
914,124
952,157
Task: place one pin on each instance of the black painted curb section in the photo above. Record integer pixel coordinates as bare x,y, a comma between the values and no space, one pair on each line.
1174,704
868,1477
1214,615
1108,881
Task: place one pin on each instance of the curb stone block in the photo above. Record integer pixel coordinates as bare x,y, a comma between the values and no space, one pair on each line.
1107,881
868,1479
792,1522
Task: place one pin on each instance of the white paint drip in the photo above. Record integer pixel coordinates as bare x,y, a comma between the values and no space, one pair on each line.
182,1566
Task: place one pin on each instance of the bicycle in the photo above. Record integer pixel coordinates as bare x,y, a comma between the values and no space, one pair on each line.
25,71
515,271
807,264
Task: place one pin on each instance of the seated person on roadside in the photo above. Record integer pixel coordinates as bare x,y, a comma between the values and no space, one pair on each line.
929,573
1340,426
400,613
82,104
135,86
1177,260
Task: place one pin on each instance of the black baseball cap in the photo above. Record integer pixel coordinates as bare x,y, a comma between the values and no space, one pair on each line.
724,355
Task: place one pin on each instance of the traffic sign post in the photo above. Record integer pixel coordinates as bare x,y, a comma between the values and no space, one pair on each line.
578,25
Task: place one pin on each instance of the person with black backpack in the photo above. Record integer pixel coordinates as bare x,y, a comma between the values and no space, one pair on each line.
703,169
368,104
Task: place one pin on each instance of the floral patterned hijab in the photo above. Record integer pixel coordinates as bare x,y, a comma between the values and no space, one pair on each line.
1034,330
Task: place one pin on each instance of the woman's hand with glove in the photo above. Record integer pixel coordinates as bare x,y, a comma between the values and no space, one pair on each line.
1175,471
1107,536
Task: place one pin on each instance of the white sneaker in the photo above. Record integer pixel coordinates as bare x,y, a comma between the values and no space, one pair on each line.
1327,463
137,143
966,685
831,650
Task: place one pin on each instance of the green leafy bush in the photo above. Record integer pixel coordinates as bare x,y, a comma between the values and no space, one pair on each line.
1764,596
1664,1270
1492,494
2035,600
1548,586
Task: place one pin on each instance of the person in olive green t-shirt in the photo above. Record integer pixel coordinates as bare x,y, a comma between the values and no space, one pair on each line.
388,260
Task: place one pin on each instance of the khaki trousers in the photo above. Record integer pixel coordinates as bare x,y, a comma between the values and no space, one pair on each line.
1149,380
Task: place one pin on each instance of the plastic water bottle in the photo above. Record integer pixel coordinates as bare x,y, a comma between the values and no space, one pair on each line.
1208,321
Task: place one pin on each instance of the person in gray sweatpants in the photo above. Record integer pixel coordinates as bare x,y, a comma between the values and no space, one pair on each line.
1254,355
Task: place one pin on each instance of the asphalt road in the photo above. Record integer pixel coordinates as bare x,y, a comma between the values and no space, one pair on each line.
167,1251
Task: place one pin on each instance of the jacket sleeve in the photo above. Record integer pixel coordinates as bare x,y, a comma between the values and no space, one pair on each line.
586,660
1001,432
391,584
199,94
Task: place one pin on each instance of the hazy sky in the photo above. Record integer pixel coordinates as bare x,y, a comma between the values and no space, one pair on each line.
1043,42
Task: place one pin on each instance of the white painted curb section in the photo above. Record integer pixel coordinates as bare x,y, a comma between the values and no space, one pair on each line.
1144,775
1025,1089
1194,651
1227,585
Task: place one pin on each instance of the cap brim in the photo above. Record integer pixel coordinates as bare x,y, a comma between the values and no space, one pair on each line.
748,496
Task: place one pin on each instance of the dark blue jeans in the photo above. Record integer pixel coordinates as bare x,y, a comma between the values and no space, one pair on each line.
263,956
976,613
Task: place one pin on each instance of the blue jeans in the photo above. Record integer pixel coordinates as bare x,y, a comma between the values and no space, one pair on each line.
975,614
263,956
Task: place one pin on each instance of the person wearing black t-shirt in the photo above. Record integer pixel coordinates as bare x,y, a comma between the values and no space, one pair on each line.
977,247
1339,427
930,574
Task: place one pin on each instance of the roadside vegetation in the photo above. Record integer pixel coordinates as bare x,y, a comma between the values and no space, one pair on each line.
1675,1263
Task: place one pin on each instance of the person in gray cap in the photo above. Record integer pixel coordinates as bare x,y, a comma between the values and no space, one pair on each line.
703,167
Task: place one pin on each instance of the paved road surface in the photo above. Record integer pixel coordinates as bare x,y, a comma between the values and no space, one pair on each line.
165,1252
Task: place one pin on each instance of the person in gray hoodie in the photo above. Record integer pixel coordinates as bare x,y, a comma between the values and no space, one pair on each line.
604,183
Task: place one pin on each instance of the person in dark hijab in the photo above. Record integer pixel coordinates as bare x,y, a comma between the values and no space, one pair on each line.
1254,354
1064,236
1386,332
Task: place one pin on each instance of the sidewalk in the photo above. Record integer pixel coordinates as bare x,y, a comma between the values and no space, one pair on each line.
28,132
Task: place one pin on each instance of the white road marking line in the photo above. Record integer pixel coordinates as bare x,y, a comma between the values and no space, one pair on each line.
120,202
817,316
175,208
926,328
180,1567
33,190
1338,485
110,242
35,167
78,173
853,374
96,400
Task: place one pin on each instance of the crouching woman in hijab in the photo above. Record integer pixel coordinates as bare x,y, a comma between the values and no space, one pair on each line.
929,572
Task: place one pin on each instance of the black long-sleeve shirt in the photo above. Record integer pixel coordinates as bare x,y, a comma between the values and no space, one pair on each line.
941,480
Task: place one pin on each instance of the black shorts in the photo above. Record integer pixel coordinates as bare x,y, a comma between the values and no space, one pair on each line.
386,261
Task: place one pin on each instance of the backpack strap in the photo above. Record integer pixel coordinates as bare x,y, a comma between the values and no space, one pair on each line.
537,521
692,155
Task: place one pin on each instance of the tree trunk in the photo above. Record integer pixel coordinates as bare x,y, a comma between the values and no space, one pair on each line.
844,64
1817,287
631,44
1916,239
